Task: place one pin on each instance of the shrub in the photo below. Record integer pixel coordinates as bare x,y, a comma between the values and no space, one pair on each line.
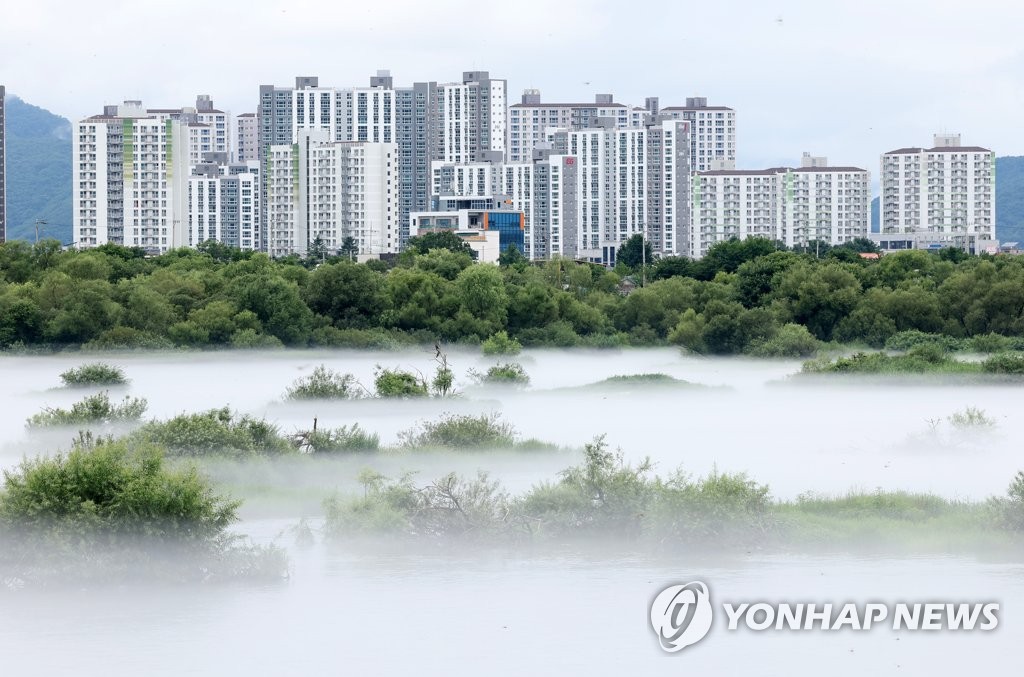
122,338
971,417
399,383
792,340
449,506
1009,511
906,340
96,373
106,491
100,510
501,344
603,494
1004,363
510,373
343,439
719,507
217,431
250,339
93,409
323,384
461,431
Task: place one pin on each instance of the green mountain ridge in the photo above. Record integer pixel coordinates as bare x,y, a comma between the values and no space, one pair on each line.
38,172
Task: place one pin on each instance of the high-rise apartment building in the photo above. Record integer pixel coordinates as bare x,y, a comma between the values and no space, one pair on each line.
246,138
949,188
793,206
531,122
712,132
323,190
209,129
630,181
455,122
223,203
3,166
130,174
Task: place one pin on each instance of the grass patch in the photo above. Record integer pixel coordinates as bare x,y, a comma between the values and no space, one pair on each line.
511,373
96,408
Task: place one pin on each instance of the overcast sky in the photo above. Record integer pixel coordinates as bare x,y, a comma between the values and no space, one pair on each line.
846,80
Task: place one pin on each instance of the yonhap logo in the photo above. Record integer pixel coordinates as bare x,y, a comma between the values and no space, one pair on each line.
681,615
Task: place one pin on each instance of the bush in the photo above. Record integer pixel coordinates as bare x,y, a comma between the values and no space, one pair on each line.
971,417
323,384
1004,363
343,439
106,491
100,510
792,340
906,340
93,409
449,506
250,339
217,431
128,338
461,431
511,373
399,383
1009,511
96,373
501,344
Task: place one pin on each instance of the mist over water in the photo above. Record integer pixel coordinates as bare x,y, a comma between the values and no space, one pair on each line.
458,609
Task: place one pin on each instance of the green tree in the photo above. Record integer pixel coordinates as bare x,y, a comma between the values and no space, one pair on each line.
441,239
350,294
634,252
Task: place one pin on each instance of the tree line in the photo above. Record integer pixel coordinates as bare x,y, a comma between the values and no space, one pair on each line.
750,296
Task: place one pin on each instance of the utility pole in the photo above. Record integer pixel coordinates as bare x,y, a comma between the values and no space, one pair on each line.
40,223
643,255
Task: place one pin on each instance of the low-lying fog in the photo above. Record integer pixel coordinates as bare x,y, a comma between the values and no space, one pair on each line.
532,610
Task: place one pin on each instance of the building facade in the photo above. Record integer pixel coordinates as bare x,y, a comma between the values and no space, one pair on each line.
246,147
531,122
795,206
130,174
325,191
456,122
3,166
630,182
223,203
712,133
948,188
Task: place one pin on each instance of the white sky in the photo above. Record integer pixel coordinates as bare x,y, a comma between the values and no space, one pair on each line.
848,80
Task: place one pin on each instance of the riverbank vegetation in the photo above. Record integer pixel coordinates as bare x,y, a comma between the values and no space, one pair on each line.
749,297
605,497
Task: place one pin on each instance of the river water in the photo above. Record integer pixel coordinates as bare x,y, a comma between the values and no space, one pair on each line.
544,611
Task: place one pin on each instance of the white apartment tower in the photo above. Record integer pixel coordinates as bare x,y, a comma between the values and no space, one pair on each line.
712,133
631,181
130,179
792,206
224,203
532,123
947,189
209,129
320,189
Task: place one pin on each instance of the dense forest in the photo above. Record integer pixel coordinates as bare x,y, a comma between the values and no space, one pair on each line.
749,297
